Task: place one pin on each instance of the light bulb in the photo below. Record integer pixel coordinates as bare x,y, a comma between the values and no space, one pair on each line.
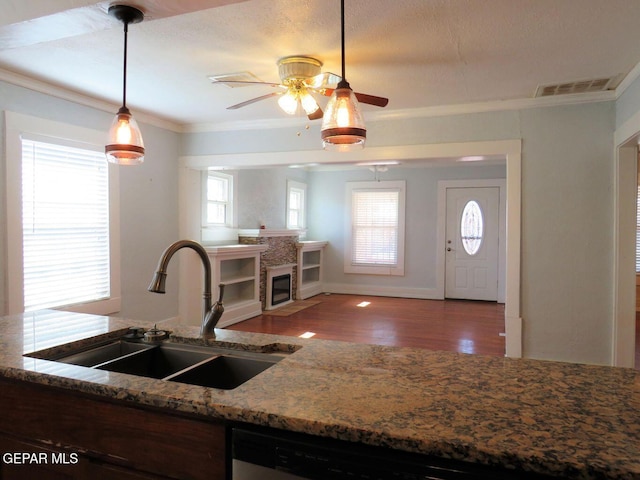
123,131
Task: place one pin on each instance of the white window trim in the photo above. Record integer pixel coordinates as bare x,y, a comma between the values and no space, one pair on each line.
398,269
231,214
292,184
15,125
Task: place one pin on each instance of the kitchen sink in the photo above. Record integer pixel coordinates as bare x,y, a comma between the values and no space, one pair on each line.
193,364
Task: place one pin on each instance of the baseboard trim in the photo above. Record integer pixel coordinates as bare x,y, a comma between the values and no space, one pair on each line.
382,291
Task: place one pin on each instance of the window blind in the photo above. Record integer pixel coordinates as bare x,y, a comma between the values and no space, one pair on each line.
65,219
375,227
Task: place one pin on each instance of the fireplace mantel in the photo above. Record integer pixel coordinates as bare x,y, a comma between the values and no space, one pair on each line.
269,232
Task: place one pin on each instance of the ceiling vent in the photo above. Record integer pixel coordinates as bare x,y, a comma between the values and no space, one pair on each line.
583,86
235,77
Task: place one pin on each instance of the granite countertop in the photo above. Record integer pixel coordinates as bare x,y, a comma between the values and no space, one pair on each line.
579,421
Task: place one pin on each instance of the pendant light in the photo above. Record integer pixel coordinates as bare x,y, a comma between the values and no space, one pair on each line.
342,124
125,145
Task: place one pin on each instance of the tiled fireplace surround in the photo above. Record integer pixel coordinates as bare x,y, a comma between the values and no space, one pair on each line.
281,251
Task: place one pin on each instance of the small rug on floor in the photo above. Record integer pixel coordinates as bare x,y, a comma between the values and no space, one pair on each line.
292,308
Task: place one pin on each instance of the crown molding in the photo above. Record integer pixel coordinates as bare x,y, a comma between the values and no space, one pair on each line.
82,99
409,113
495,106
631,77
296,122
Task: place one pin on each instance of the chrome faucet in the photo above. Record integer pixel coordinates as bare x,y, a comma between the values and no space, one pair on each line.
210,313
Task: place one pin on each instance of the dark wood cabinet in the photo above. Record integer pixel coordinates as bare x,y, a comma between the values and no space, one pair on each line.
84,436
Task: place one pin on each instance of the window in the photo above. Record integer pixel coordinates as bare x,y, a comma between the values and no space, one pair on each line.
471,227
296,198
65,225
62,199
218,199
376,228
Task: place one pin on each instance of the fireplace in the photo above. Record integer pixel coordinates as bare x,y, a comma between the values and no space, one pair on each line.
279,286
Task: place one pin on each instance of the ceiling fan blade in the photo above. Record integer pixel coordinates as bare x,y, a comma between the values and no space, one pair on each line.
372,99
253,100
316,115
322,80
244,82
362,97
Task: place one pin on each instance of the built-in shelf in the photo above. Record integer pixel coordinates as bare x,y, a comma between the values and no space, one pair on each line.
231,281
238,268
309,268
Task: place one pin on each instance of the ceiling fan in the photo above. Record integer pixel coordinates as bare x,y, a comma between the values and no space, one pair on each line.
300,77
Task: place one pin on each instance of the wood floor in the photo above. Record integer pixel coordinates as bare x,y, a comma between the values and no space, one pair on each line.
453,325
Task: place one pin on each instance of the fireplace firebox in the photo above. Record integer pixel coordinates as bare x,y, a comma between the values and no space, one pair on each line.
280,289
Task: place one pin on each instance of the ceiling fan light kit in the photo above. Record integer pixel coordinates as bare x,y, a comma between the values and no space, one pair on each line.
297,74
125,145
343,126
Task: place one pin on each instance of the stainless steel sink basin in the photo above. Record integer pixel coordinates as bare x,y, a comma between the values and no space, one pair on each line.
226,372
155,362
104,353
197,365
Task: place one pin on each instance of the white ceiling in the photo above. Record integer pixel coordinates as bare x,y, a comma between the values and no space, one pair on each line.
418,53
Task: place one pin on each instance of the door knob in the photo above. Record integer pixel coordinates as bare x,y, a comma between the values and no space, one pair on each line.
448,249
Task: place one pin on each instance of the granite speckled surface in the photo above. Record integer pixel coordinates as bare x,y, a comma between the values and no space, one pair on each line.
578,421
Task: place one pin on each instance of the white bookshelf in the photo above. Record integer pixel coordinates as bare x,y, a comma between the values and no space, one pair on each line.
238,268
309,268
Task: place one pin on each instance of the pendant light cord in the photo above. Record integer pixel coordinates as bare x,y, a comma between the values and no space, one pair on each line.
342,36
124,74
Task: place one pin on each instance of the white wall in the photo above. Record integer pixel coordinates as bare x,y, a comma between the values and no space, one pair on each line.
567,232
327,222
148,200
262,196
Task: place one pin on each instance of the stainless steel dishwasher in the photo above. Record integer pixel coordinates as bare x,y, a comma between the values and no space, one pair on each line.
269,454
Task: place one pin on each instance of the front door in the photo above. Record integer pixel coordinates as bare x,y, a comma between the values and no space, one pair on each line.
472,226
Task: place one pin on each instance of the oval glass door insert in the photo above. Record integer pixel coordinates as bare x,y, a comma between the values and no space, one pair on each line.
471,227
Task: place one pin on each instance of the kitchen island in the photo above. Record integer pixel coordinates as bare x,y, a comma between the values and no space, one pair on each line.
558,419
